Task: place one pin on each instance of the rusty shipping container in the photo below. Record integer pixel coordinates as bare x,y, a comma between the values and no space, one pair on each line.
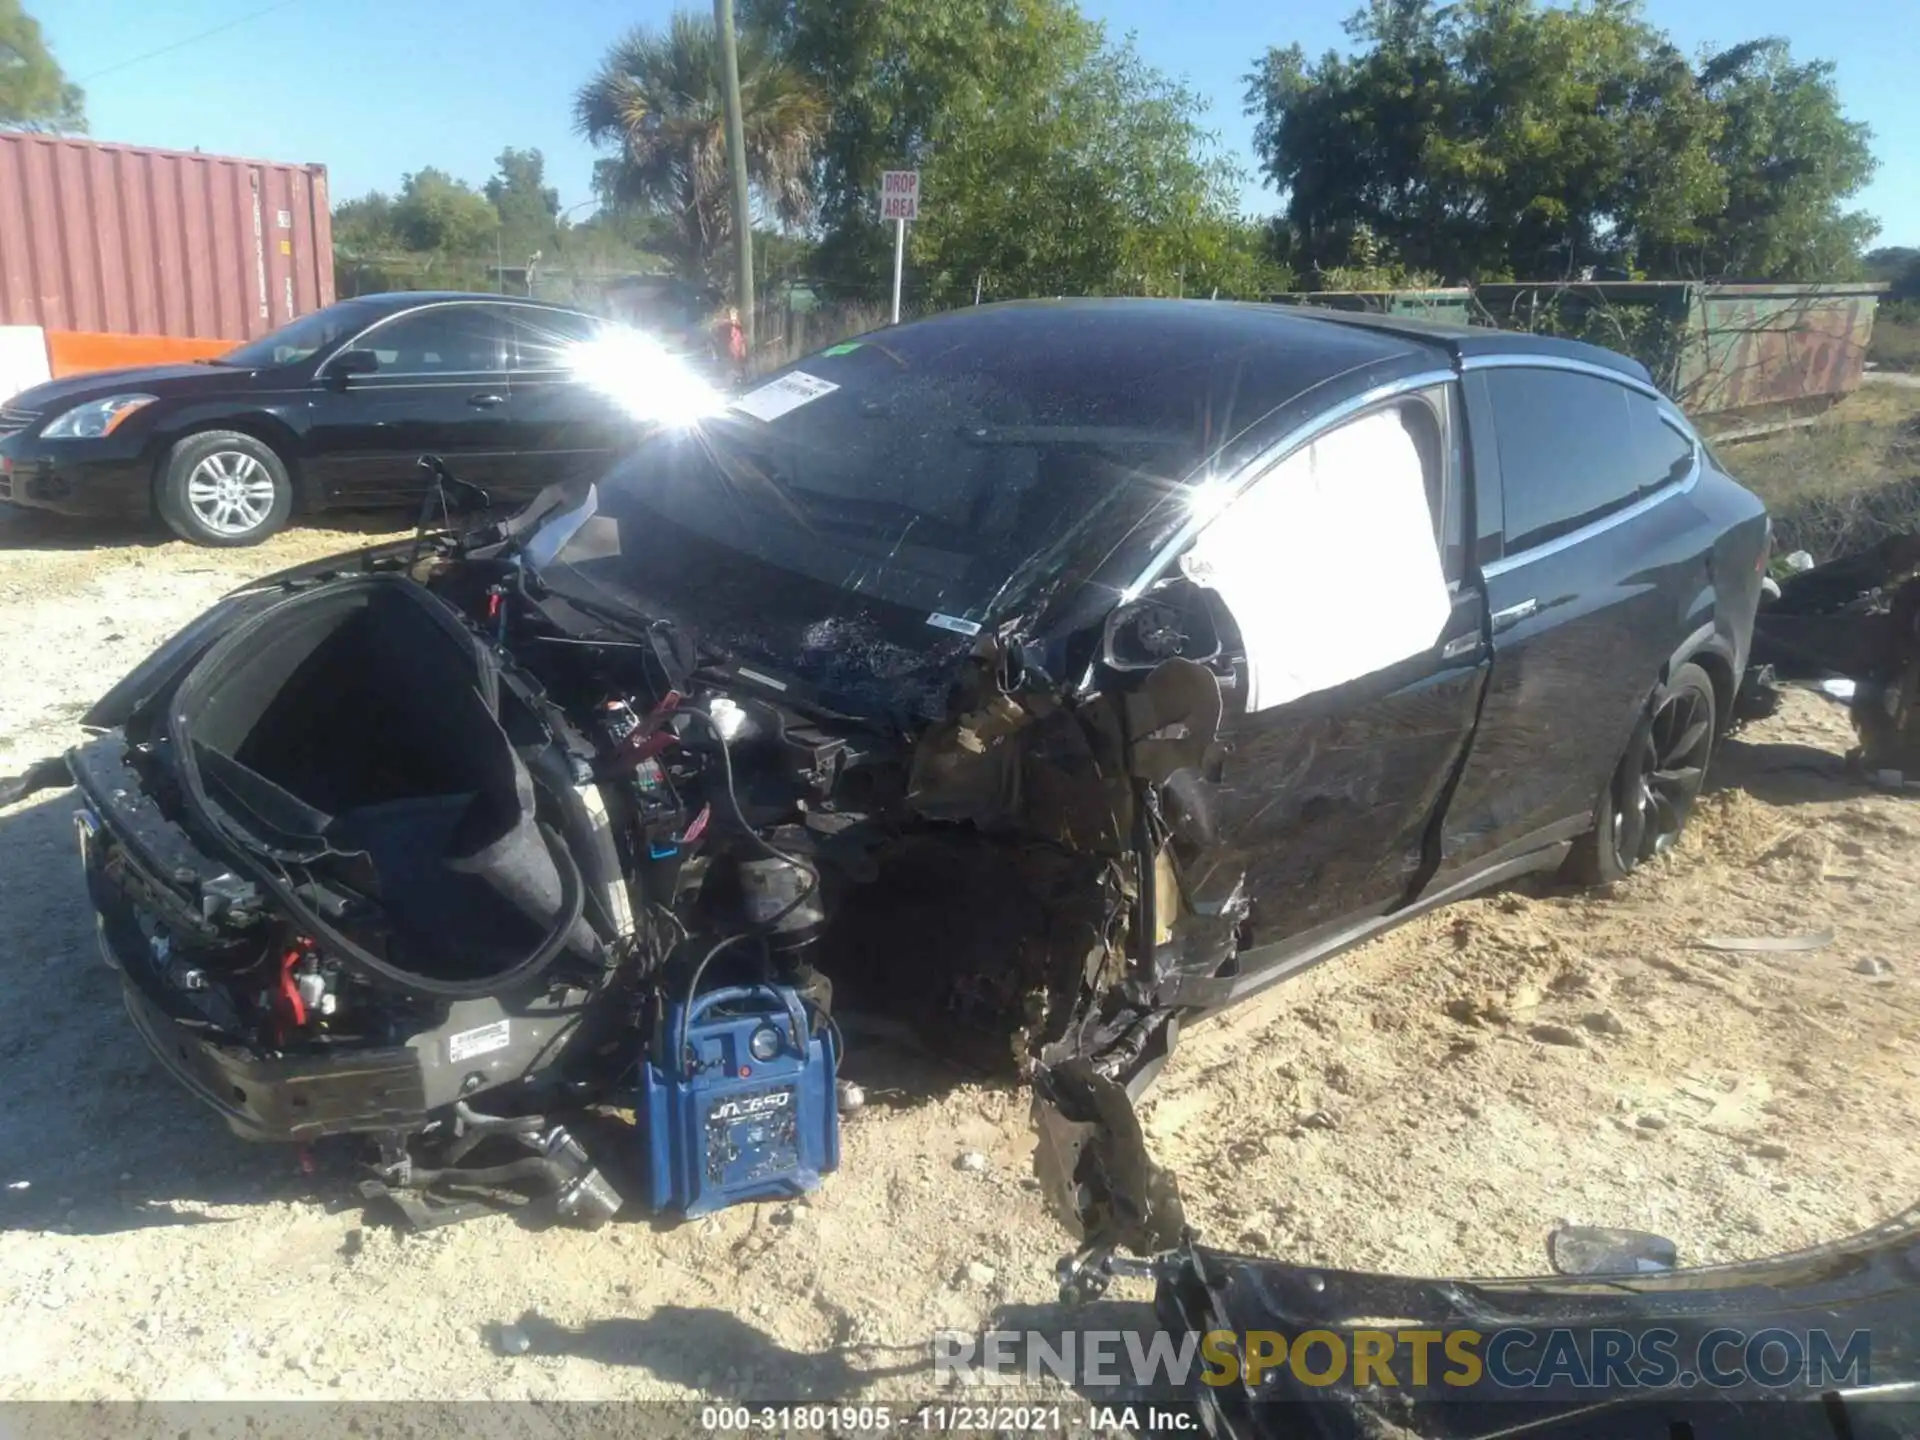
128,255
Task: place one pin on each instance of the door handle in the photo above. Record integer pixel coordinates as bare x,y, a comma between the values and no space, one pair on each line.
1513,614
486,400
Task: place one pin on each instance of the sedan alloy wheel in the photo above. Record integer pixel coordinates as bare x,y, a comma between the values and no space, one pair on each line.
230,492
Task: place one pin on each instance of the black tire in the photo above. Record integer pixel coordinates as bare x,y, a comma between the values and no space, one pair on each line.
224,488
1646,804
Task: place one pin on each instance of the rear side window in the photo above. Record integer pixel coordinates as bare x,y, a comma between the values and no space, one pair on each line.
1664,452
1569,454
545,339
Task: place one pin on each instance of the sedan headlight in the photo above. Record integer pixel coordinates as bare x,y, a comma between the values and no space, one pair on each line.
95,418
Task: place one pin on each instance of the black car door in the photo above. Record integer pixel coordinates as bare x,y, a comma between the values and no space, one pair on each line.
563,426
1323,805
438,386
1597,557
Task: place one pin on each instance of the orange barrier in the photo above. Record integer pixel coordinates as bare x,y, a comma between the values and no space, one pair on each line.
77,352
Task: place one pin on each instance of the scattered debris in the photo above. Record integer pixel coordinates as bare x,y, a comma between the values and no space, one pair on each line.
1768,944
1548,1034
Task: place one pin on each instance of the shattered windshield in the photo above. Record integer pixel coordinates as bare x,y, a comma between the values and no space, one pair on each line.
946,467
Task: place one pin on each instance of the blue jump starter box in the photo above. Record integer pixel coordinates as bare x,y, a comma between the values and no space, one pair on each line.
742,1104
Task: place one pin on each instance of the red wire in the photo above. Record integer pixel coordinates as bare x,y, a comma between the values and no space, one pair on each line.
289,992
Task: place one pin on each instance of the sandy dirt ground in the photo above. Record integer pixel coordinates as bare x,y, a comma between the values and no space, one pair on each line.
1434,1101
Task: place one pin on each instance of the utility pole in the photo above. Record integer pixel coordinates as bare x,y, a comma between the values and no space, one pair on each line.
737,163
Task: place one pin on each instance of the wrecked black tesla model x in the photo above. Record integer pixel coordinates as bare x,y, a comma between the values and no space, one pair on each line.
1034,676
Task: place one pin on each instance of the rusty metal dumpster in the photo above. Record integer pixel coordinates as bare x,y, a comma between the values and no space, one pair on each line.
1449,305
1731,352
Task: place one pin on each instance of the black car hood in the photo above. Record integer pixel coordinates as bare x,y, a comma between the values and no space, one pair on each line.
153,379
1860,1292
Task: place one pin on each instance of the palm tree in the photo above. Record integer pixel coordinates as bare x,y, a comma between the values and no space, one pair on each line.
658,98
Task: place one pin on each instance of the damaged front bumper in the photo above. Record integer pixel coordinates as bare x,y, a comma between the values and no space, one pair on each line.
209,871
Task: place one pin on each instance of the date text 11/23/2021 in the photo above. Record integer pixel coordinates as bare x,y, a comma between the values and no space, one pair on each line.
957,1418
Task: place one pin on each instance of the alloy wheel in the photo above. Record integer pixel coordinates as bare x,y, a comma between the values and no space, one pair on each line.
1658,784
230,492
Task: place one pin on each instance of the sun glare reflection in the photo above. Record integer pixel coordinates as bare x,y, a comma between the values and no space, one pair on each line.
644,378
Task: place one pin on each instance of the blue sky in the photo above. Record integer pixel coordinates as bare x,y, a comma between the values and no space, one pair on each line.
373,88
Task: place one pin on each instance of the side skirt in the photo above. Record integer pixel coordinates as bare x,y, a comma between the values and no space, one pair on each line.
1270,964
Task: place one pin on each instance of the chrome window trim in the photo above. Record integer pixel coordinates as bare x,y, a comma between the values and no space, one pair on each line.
1669,491
449,380
1513,361
1256,469
1669,413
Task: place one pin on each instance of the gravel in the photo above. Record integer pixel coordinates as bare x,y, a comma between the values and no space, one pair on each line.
160,1258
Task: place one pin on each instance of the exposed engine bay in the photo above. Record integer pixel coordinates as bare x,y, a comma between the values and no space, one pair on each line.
415,850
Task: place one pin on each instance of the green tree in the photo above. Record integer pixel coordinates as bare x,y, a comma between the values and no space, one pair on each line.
528,207
1790,158
1052,161
365,226
657,101
35,93
1899,265
435,212
1496,138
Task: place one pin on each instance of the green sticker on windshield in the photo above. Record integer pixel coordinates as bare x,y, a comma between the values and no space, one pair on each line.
846,349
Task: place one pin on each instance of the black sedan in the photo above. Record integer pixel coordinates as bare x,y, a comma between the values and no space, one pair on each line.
1042,675
331,411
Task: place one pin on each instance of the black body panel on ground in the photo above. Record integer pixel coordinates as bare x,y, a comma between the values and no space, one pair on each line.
1860,1292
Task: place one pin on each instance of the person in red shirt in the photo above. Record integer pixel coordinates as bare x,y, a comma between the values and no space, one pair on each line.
730,340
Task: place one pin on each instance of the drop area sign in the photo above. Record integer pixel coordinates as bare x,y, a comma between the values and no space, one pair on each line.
899,202
900,195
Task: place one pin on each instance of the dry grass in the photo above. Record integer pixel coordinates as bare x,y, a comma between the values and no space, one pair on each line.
1843,482
1896,336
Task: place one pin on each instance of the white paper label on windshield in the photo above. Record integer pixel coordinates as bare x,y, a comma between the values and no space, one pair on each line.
482,1041
789,392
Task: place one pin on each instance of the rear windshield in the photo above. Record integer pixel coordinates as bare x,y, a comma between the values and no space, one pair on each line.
950,465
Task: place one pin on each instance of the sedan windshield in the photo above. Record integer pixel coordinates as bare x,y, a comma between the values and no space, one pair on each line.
945,467
303,338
